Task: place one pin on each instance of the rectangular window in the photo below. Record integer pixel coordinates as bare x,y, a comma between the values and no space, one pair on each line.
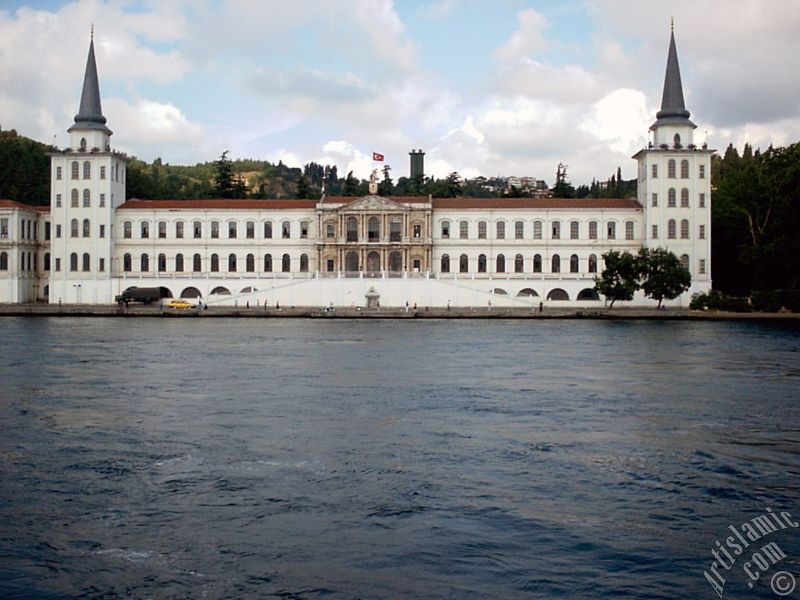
482,230
463,230
655,232
58,200
145,229
4,228
215,229
179,229
396,230
556,231
702,233
655,171
232,230
592,230
537,230
102,200
58,264
330,231
286,230
612,231
162,229
250,230
303,229
573,230
417,230
198,229
126,229
58,173
268,230
655,199
702,268
102,172
628,230
102,266
102,232
519,230
702,171
501,230
446,230
58,231
47,231
702,201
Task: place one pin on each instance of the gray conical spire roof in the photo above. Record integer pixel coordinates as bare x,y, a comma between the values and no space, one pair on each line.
673,110
90,113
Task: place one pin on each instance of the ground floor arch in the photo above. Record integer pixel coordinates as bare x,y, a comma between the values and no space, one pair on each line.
191,292
557,294
588,294
527,293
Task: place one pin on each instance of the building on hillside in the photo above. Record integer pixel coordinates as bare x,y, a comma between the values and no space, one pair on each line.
92,244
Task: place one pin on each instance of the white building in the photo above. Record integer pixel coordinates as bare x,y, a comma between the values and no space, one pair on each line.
92,244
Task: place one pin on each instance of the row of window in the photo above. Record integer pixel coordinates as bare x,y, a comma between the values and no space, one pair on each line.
27,261
671,199
518,264
181,263
672,230
555,230
28,229
75,170
87,199
671,170
214,229
85,230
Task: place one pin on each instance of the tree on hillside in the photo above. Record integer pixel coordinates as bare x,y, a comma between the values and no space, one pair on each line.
620,277
24,169
304,190
226,184
386,186
563,188
663,277
351,186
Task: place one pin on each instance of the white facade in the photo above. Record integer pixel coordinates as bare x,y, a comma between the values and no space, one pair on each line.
410,250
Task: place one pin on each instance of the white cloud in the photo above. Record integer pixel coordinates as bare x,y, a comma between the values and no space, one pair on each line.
621,119
528,39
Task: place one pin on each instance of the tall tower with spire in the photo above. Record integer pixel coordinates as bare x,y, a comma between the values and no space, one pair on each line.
674,182
88,184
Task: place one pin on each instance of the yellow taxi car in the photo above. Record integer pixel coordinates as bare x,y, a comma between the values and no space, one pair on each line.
179,304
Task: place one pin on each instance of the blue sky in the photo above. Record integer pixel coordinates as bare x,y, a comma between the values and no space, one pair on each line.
509,87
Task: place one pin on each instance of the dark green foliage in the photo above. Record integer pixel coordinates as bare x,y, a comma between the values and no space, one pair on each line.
352,186
226,184
620,278
386,187
24,169
661,274
715,300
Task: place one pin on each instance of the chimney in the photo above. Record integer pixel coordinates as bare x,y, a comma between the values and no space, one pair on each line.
417,163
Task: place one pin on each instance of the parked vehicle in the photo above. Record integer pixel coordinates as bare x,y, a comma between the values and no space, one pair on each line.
141,294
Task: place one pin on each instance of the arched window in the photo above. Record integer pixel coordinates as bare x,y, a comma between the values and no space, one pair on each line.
232,263
685,261
573,263
126,263
127,226
685,229
671,229
286,230
46,261
684,169
286,263
537,230
518,264
73,262
73,201
144,263
197,263
592,263
86,228
250,263
537,263
352,229
87,198
671,169
197,228
162,229
74,169
671,198
215,229
87,169
179,263
556,230
232,230
351,262
611,230
501,230
3,261
162,263
555,266
574,228
179,229
215,263
482,263
145,229
268,263
481,230
83,144
500,264
373,262
519,230
395,261
677,140
86,261
463,230
463,264
592,230
304,263
445,263
73,228
373,229
684,198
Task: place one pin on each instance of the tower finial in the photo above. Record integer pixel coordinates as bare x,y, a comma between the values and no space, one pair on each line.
672,24
92,33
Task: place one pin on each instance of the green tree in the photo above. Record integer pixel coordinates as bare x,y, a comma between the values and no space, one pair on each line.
351,186
663,277
563,188
620,277
386,186
227,185
304,190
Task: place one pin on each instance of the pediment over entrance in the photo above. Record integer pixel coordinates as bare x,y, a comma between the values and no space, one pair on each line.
374,204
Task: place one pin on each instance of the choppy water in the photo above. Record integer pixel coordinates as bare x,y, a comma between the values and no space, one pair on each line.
301,459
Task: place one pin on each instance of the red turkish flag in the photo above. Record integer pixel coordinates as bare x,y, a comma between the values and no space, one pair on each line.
377,157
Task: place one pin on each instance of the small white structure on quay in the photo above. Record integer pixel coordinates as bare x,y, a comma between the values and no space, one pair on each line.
92,244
